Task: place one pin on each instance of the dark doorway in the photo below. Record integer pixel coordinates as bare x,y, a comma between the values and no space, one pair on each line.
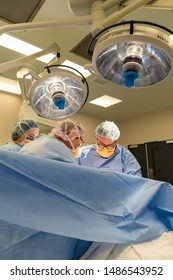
156,159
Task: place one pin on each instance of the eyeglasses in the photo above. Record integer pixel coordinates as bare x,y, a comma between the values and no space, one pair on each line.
32,137
80,140
109,147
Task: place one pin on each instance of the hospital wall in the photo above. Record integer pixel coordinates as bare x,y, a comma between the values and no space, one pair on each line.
9,107
152,126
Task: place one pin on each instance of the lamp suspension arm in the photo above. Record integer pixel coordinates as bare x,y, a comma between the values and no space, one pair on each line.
77,20
117,16
108,4
98,10
19,62
24,92
80,20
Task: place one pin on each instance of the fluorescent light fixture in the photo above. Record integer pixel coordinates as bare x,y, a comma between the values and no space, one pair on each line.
105,101
78,67
9,85
22,47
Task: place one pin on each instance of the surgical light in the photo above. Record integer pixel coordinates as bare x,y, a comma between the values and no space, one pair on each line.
133,54
58,92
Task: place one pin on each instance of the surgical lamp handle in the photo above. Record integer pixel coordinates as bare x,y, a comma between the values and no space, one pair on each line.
65,66
69,67
131,22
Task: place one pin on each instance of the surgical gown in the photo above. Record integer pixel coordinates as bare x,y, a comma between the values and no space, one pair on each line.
121,161
12,147
48,147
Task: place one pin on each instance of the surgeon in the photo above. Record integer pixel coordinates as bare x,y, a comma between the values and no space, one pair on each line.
23,132
62,143
107,153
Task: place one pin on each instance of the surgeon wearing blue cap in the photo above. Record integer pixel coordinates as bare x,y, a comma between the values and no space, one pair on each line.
107,153
23,132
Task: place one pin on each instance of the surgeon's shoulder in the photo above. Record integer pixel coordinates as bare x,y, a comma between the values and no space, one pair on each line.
38,142
86,149
12,147
125,151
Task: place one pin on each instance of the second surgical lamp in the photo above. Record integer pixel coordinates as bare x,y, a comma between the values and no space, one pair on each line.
58,92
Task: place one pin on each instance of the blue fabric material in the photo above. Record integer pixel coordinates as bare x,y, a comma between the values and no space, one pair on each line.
48,147
45,205
12,147
18,242
121,161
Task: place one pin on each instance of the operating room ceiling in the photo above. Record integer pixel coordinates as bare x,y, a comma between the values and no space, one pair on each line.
134,101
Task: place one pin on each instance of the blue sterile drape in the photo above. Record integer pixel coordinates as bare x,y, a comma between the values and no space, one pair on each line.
46,206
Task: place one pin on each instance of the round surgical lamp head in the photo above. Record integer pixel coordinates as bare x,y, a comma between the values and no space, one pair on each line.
133,53
58,92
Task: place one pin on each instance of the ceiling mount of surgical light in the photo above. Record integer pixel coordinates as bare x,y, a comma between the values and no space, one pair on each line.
133,54
58,92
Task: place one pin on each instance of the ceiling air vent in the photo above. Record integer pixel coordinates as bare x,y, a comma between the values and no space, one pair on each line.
81,49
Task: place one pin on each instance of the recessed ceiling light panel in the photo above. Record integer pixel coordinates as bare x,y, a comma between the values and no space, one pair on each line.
105,101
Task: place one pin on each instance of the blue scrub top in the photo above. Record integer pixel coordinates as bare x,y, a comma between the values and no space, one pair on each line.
46,146
121,161
12,147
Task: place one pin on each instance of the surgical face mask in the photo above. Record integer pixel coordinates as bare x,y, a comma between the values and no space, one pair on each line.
104,152
32,134
75,152
28,136
25,141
